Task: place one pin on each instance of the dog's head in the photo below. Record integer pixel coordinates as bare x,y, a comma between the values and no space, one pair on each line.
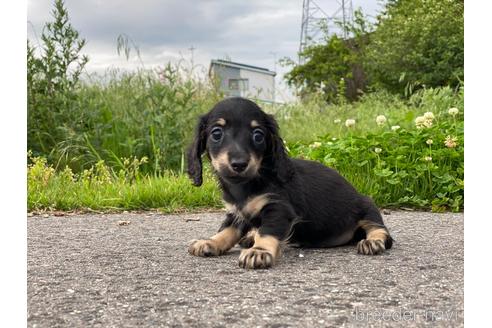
241,141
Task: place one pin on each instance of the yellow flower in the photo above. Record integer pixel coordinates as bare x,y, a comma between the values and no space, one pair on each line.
349,123
381,120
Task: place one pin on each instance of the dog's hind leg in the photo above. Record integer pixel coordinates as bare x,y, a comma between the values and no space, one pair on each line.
377,238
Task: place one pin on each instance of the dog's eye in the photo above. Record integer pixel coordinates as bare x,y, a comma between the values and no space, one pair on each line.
258,136
216,134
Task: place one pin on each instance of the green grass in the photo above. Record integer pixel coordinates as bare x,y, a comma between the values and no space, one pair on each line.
305,122
120,145
100,189
120,115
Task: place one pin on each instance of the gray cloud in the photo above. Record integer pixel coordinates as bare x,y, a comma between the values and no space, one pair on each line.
247,31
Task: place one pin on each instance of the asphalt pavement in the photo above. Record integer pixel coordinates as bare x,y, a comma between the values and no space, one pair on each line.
133,270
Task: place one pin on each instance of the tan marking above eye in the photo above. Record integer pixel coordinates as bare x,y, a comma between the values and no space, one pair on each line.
254,124
221,122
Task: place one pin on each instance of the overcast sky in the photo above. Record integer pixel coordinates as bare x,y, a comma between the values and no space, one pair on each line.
245,31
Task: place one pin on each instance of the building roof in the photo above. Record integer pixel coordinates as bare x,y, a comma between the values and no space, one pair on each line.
227,63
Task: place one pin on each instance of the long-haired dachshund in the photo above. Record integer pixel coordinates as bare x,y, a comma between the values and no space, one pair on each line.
271,198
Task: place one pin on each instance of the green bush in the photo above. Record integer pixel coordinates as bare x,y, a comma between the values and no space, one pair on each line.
333,68
412,45
419,166
52,79
417,43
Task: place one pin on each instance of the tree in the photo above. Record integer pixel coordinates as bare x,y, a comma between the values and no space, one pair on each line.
51,80
417,42
414,43
333,68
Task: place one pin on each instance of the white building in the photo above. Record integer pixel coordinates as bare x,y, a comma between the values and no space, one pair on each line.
241,80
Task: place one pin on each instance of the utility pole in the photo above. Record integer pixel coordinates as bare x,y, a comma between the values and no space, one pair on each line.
314,18
192,49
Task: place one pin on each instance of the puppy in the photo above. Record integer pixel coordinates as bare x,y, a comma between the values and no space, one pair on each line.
271,198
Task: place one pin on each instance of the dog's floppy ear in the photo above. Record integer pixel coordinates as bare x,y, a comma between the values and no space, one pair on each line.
195,151
280,161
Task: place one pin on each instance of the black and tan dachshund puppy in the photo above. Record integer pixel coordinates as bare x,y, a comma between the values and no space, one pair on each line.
271,198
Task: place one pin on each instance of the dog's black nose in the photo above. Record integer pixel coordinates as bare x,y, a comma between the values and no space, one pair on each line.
239,166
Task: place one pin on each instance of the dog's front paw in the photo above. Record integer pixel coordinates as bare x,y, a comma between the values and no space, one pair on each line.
249,239
370,247
204,247
256,258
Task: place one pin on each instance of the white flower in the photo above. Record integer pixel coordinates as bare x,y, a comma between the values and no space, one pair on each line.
429,142
451,142
453,111
316,144
377,150
349,123
424,121
427,158
337,121
395,127
381,120
420,122
429,116
334,139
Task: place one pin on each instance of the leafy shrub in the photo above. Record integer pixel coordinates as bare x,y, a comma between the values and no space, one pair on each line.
52,79
416,43
412,45
421,166
332,68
